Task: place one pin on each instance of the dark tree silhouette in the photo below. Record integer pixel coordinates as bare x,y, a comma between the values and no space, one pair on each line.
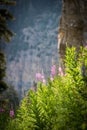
5,15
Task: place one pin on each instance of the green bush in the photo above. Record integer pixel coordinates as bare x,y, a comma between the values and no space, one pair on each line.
61,104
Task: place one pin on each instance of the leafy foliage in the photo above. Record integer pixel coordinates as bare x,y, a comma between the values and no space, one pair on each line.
4,116
8,102
61,104
8,95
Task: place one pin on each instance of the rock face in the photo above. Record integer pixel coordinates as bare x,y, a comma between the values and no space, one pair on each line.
35,43
73,25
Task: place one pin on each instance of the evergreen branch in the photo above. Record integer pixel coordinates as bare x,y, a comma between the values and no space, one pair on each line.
6,2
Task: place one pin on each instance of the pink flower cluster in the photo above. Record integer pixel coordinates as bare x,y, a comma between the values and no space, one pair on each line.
86,46
51,78
40,77
11,113
53,70
1,110
61,73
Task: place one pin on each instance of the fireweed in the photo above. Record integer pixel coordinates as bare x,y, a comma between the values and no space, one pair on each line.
40,77
5,116
11,113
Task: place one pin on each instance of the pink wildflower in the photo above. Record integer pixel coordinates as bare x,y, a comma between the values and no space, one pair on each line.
11,113
60,71
38,76
51,78
44,81
1,110
86,46
53,70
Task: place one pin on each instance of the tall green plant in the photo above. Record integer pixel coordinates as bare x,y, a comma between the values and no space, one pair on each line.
61,104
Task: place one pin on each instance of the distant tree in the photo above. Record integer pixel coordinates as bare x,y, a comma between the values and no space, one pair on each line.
5,35
3,85
5,15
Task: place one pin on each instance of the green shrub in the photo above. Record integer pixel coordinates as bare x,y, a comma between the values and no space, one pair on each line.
61,104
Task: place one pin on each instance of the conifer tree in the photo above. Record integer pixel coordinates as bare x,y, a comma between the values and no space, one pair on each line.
5,15
3,85
5,35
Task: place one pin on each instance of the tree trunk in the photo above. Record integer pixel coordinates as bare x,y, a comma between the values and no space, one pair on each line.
73,25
